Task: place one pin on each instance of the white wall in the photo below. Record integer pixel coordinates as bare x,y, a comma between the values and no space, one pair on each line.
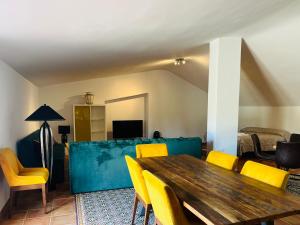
18,99
282,117
176,107
132,109
223,94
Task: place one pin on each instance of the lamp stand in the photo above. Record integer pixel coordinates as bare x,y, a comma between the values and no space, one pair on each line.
46,139
64,138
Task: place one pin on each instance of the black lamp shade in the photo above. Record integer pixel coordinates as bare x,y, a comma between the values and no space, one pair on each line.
63,129
44,113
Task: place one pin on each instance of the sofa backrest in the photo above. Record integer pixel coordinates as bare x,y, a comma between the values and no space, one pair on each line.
95,166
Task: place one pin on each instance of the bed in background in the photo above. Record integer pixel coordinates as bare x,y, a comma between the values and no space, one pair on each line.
268,138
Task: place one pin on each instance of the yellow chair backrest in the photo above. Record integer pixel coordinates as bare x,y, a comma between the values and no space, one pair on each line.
266,174
222,159
135,171
165,204
151,150
9,164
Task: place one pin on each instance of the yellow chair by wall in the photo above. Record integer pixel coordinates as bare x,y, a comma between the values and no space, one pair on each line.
20,178
141,193
222,159
151,150
267,174
166,206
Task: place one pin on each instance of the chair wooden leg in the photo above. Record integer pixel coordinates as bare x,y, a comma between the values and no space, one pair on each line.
147,213
44,197
16,198
157,222
11,202
134,208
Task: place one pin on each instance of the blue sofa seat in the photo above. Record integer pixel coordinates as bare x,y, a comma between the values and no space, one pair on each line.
96,166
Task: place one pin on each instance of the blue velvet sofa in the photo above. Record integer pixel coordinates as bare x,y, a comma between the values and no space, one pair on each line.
95,166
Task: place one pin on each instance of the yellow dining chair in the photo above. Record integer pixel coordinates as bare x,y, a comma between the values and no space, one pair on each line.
222,159
266,174
20,178
166,206
141,193
151,150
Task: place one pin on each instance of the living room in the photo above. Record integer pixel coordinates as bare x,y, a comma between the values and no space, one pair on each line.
86,86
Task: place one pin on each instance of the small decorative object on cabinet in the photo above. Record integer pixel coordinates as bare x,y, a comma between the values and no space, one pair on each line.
89,98
64,131
89,122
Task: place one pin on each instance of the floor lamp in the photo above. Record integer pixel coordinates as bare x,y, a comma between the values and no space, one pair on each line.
46,113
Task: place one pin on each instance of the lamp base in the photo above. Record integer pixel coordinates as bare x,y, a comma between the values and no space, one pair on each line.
64,138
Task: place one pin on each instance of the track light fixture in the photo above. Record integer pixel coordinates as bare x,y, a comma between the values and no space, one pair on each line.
179,61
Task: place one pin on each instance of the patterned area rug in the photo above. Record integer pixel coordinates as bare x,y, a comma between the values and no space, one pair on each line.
114,207
293,184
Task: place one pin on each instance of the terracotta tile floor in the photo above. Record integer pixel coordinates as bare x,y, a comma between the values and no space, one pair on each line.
29,211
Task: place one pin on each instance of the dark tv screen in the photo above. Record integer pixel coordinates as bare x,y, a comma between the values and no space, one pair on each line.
127,129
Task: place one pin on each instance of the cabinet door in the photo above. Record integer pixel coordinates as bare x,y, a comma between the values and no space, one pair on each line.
82,123
98,123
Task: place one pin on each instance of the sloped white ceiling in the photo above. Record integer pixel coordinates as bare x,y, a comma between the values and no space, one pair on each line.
270,66
65,40
271,60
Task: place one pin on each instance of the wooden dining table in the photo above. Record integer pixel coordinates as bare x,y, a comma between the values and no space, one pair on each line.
219,196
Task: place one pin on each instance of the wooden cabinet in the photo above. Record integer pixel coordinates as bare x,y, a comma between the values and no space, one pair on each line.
89,122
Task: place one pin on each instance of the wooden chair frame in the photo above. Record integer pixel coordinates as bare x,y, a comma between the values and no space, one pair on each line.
14,190
147,207
157,222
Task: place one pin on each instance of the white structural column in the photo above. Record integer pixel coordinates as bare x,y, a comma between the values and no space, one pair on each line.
223,94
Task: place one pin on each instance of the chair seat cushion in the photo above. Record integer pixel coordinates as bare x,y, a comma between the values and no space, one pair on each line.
41,174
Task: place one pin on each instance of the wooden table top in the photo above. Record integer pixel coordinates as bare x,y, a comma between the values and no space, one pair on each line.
218,196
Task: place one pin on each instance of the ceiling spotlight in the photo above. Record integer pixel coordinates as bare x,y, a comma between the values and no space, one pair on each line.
179,61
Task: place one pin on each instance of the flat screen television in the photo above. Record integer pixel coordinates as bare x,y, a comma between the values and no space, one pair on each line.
127,129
